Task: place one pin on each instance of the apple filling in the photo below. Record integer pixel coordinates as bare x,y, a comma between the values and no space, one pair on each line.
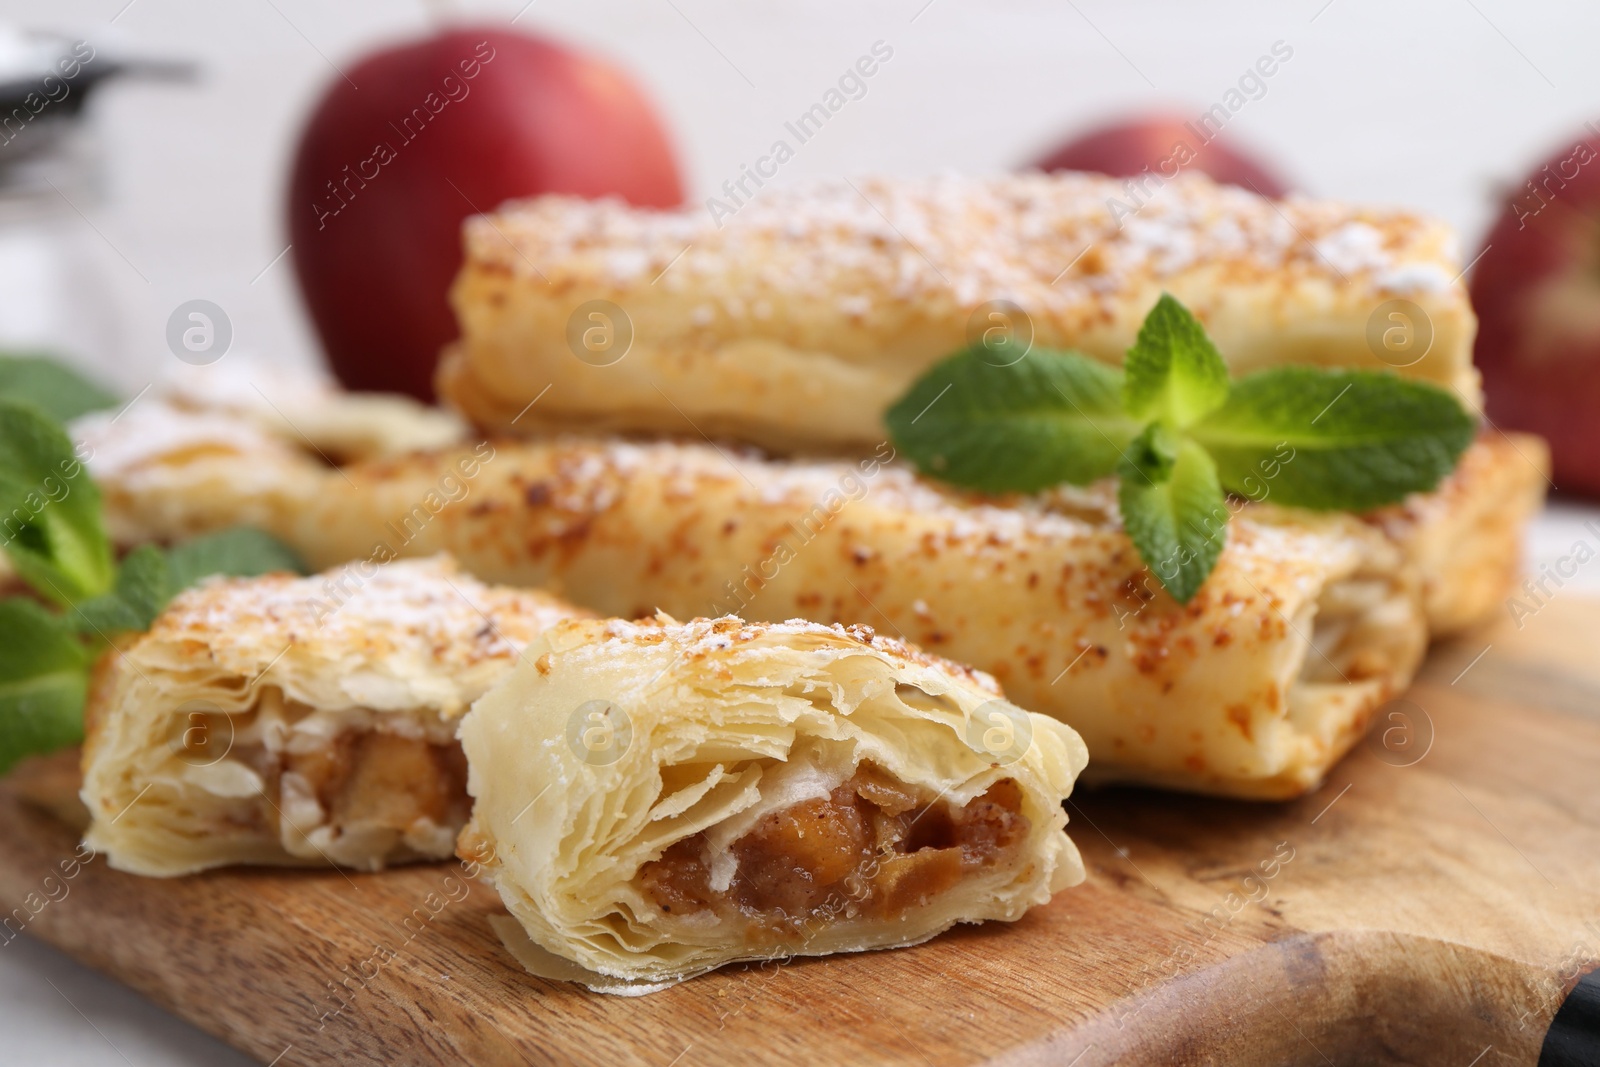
355,787
379,780
873,847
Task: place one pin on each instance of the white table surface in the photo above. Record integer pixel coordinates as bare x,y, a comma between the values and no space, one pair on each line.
1432,103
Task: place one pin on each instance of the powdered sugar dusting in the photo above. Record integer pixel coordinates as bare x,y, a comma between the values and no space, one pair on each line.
1416,278
730,636
961,239
1354,247
427,610
591,474
265,411
154,429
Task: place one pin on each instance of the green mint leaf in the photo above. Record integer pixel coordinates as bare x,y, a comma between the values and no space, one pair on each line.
242,552
1178,525
1330,439
143,587
982,423
148,578
52,386
1300,436
1173,370
44,679
1150,457
50,524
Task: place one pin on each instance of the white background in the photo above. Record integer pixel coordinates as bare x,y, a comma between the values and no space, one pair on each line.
1436,104
1422,103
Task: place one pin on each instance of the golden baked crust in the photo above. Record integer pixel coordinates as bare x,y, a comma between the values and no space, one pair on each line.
656,799
286,720
797,322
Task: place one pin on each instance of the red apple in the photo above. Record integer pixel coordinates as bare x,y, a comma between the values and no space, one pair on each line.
1166,145
1537,293
421,135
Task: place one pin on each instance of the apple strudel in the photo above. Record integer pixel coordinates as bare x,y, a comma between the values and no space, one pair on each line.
203,471
285,720
797,322
654,799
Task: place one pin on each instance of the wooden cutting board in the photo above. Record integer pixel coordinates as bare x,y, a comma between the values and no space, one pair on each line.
1434,903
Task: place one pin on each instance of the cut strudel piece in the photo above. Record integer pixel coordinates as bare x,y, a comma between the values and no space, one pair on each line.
653,800
284,720
795,323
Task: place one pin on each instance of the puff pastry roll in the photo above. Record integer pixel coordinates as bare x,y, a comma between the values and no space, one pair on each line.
284,720
195,470
797,321
653,800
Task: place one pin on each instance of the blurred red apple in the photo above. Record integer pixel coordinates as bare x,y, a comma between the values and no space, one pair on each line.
425,133
1537,293
1166,145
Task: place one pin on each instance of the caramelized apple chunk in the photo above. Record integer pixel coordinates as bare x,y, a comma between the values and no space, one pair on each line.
874,846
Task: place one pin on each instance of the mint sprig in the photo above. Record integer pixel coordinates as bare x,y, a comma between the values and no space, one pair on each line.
149,577
1359,439
1179,521
52,531
142,589
53,387
1014,428
1180,435
49,508
44,678
1174,372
